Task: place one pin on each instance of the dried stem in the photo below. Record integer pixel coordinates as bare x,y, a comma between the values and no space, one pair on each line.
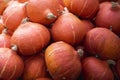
111,62
111,28
25,20
51,16
80,52
5,31
14,47
114,4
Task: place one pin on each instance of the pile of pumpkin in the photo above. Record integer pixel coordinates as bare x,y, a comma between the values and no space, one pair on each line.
59,40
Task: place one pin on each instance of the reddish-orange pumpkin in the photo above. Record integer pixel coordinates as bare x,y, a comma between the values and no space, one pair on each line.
30,38
13,15
35,67
11,65
68,28
104,43
109,16
82,8
62,61
95,69
43,11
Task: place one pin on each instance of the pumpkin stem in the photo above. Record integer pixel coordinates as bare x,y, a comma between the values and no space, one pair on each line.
112,67
111,28
5,31
80,52
114,4
65,10
25,20
111,62
26,3
14,47
96,56
51,16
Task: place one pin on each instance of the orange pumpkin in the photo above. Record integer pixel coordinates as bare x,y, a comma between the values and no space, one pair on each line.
62,61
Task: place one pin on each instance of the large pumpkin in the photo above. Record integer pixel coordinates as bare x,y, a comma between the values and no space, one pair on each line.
11,65
104,43
30,38
109,16
68,28
35,67
13,15
83,8
43,11
62,61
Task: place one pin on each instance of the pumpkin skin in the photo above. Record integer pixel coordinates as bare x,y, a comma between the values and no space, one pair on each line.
3,5
1,28
1,25
103,42
68,28
39,10
22,1
95,69
108,16
35,67
88,25
43,79
103,0
13,15
62,61
5,40
11,65
61,3
83,8
30,38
